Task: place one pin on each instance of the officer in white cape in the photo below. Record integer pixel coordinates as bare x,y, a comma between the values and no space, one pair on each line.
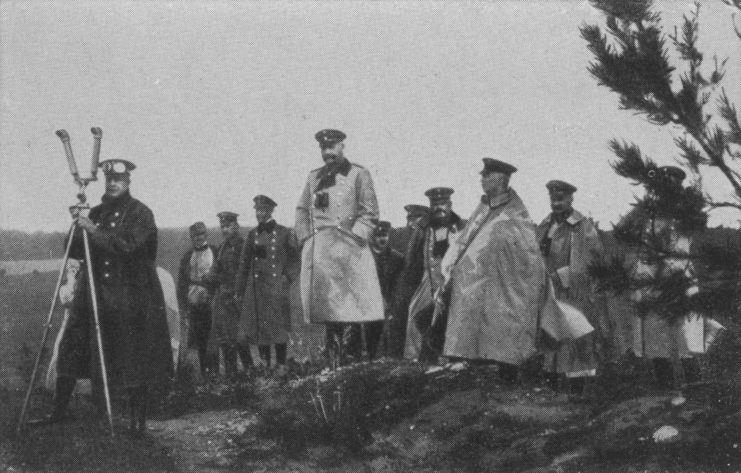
497,284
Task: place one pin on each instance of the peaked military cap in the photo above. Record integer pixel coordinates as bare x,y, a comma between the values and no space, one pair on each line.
198,227
383,227
328,137
264,201
673,171
439,194
116,166
227,216
416,210
495,165
560,186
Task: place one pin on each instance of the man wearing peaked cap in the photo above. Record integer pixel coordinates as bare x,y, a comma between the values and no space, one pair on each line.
263,201
496,166
227,217
328,138
569,242
335,217
116,166
269,265
194,295
422,272
222,279
560,186
136,340
495,280
674,172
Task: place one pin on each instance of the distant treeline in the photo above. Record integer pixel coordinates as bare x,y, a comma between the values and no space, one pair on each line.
173,242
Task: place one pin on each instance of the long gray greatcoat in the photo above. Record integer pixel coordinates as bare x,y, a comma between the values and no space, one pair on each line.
133,319
573,245
269,264
338,275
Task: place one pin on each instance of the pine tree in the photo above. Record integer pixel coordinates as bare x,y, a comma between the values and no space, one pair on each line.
631,58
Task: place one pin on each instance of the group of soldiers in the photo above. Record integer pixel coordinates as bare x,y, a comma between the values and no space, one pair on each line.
495,288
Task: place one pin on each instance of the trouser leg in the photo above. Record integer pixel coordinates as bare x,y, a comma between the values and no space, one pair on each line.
265,354
245,356
281,350
334,340
354,347
664,372
373,332
230,359
508,373
691,367
63,393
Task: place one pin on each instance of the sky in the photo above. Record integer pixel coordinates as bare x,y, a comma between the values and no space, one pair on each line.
219,101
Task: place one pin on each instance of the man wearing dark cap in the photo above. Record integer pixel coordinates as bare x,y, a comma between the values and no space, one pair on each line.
425,251
417,215
389,263
131,306
269,265
653,336
569,242
495,279
194,294
335,217
222,278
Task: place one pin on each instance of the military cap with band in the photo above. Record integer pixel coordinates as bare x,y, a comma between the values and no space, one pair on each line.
439,194
227,216
264,201
416,210
328,137
383,227
560,186
197,228
116,166
674,172
495,165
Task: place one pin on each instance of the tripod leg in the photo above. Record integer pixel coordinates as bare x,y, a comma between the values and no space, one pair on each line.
45,334
94,299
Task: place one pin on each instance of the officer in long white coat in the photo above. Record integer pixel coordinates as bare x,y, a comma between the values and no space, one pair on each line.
335,217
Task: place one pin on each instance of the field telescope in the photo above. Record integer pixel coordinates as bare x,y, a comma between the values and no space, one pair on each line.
82,205
97,137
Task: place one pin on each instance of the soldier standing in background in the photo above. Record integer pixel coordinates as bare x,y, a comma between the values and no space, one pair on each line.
194,295
225,311
269,265
569,242
422,269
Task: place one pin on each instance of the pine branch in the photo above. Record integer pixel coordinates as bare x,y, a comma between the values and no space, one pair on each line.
690,153
728,113
718,205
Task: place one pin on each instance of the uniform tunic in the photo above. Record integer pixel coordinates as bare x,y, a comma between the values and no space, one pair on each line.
269,264
133,319
225,311
568,249
338,276
423,270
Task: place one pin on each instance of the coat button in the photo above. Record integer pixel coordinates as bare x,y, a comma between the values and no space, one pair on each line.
256,275
106,275
113,224
116,214
107,263
275,275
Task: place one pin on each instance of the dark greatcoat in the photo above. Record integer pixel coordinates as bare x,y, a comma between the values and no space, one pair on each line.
225,311
131,306
269,264
415,265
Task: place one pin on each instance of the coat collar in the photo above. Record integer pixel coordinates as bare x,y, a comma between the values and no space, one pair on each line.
497,201
268,226
572,220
